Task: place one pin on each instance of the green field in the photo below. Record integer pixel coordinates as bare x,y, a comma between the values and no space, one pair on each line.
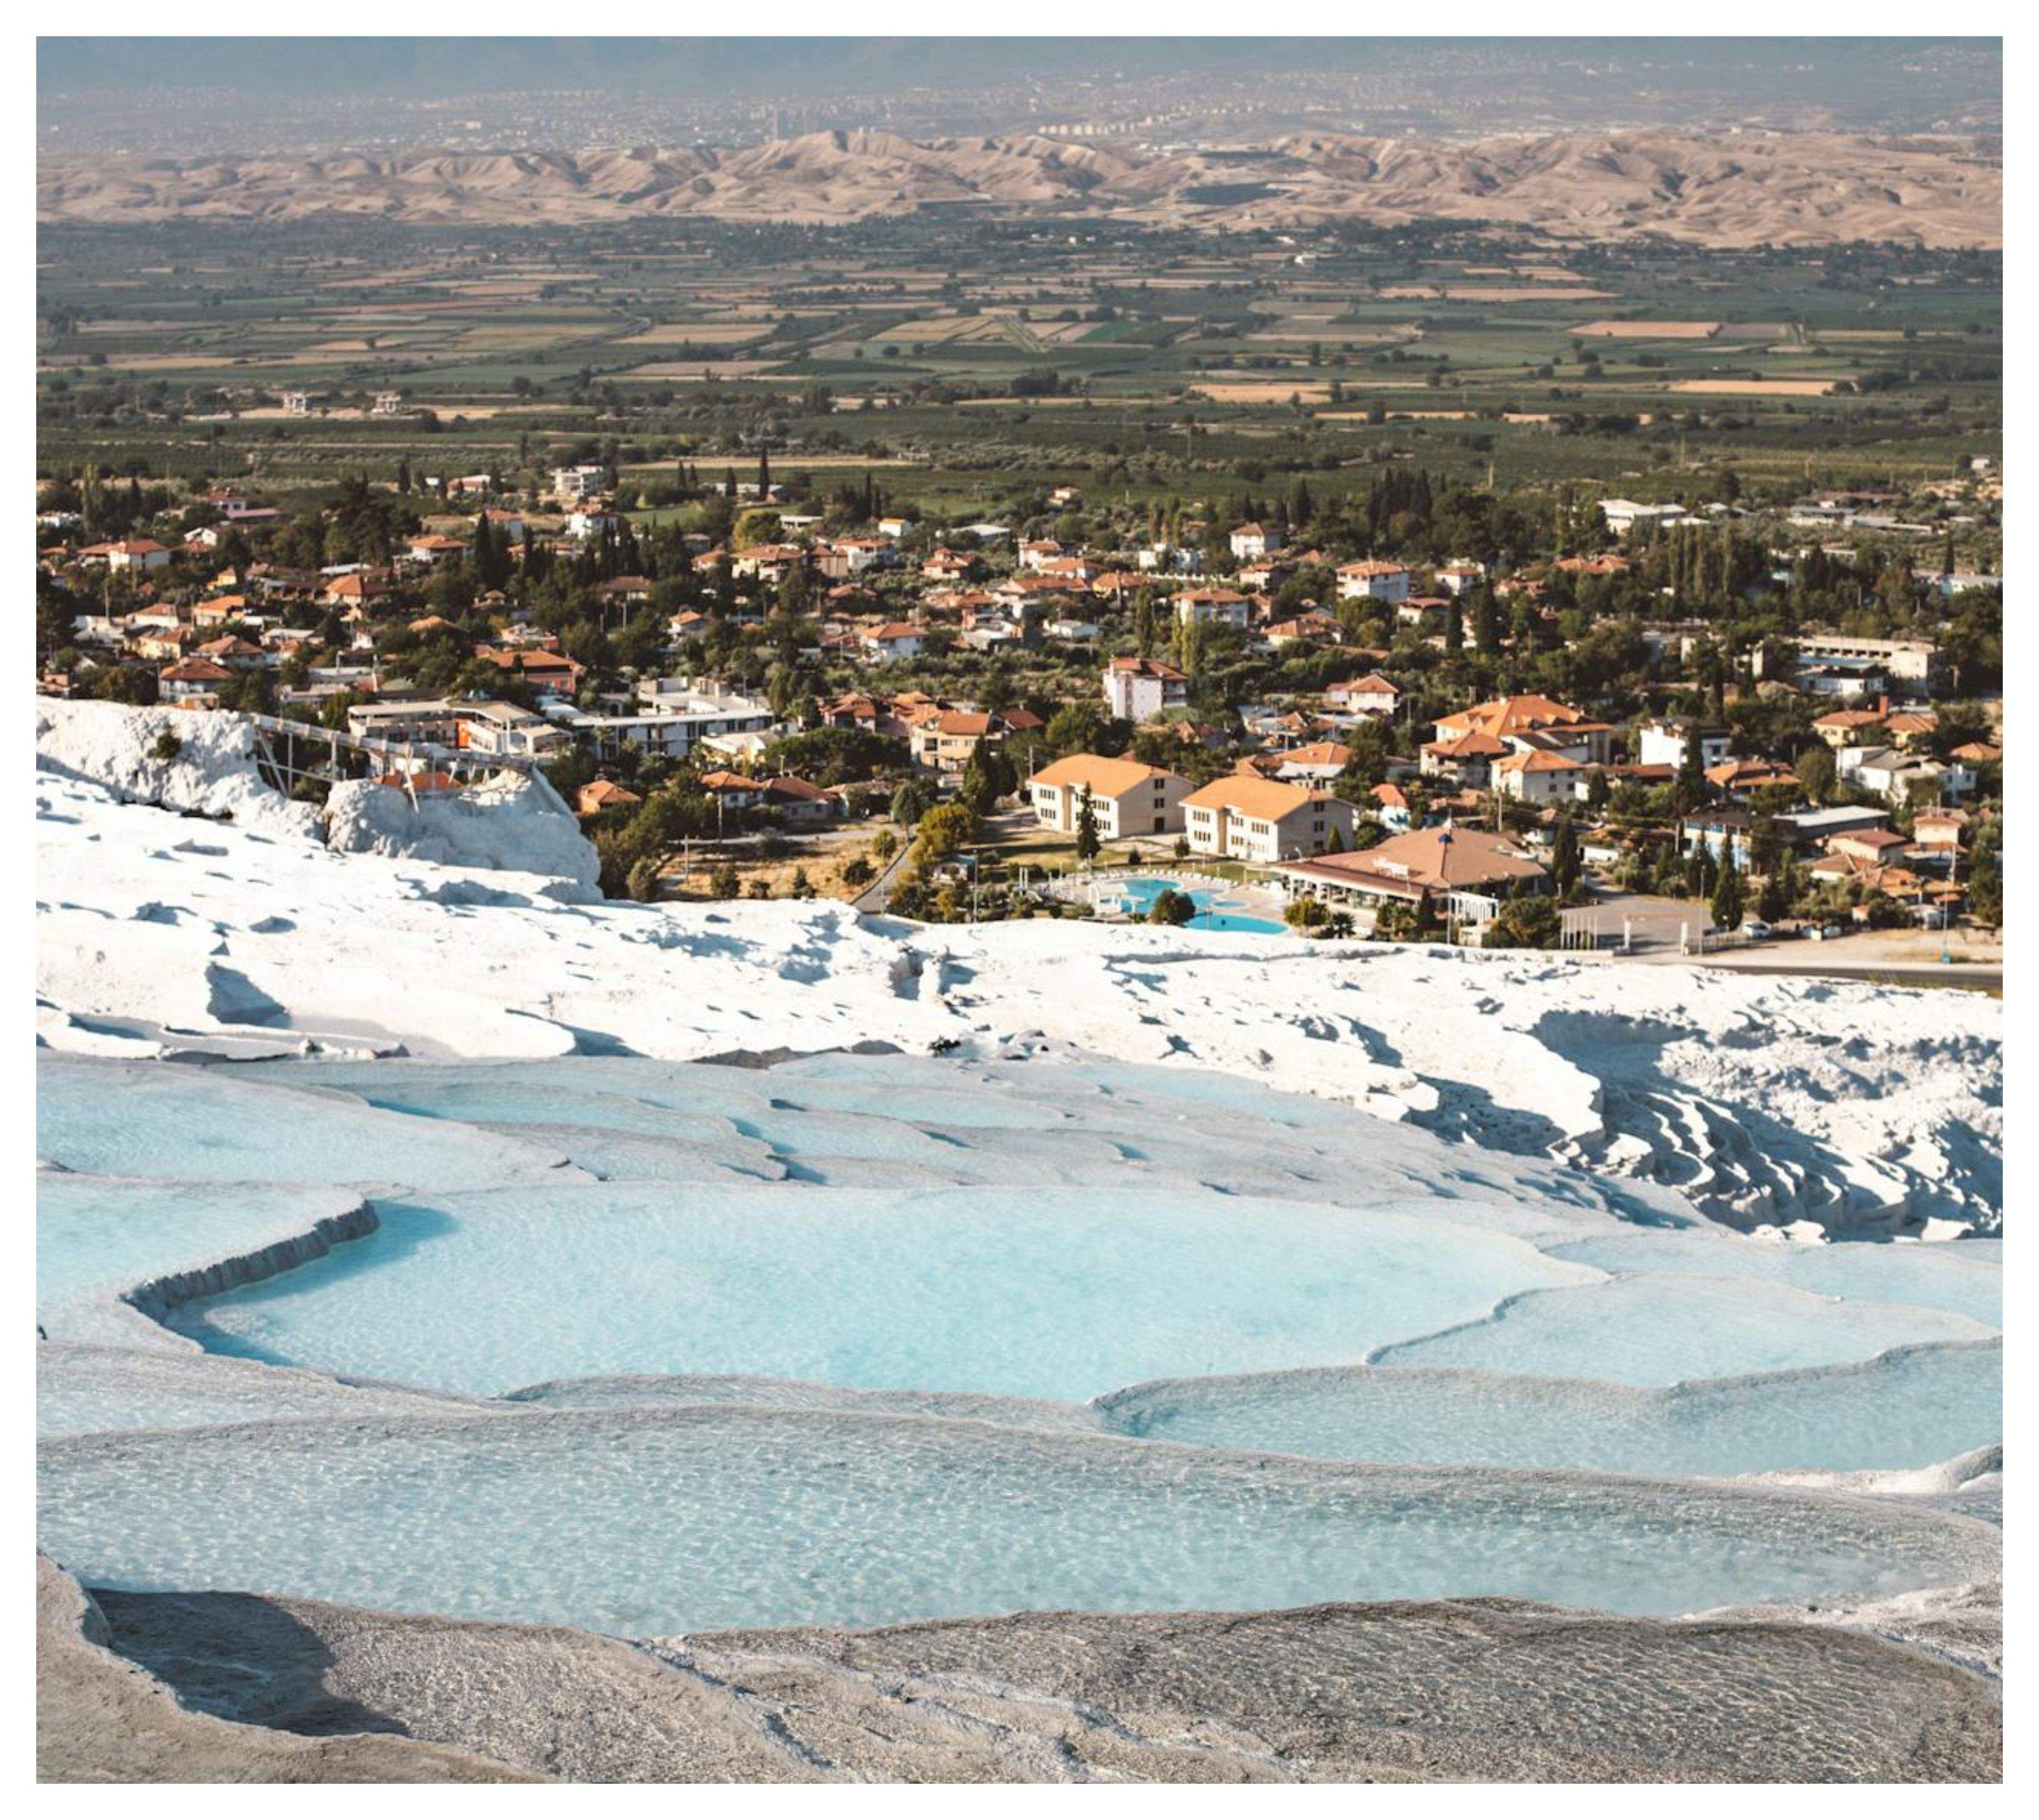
979,364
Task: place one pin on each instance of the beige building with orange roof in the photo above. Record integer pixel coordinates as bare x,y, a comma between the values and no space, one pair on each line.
1536,778
1127,796
1261,821
1518,720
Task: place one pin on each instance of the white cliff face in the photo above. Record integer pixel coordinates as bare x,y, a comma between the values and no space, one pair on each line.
206,766
509,824
1767,1101
210,772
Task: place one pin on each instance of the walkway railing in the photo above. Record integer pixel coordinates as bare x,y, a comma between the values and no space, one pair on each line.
290,752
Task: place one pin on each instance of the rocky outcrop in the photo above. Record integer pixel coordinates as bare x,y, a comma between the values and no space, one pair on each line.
100,1717
158,1297
1477,1690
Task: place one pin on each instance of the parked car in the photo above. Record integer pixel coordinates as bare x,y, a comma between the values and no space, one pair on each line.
1825,931
1756,930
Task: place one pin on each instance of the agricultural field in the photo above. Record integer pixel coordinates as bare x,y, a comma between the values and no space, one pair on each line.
969,362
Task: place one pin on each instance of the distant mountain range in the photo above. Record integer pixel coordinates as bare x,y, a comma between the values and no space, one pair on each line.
1711,189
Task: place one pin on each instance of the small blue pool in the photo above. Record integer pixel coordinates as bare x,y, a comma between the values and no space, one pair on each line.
1215,911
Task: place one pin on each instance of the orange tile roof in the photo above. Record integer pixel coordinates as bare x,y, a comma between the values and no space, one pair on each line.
1110,777
1260,797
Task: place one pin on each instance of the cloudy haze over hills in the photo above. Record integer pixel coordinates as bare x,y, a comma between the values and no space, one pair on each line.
205,96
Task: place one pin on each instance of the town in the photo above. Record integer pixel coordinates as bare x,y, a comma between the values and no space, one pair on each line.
1672,726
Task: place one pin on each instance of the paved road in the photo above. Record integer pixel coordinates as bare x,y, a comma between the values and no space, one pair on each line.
875,898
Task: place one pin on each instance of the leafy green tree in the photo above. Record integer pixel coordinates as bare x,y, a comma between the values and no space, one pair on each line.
944,831
1171,908
1815,773
1985,897
1529,921
912,800
1084,727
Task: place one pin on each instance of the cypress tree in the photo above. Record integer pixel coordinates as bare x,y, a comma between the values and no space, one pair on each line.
1727,898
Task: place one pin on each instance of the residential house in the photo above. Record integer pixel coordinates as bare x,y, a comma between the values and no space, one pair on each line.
570,485
1536,778
1249,543
1320,762
1367,695
1664,741
604,794
1849,726
943,741
1139,689
1465,760
1213,606
549,673
1900,777
1878,846
893,641
131,555
1374,581
192,682
1312,628
1513,719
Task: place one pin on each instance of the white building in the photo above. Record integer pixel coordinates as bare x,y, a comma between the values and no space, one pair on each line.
1213,606
894,642
579,482
1127,796
674,715
1255,819
1251,542
1367,695
1139,689
1663,742
1374,581
1536,778
1623,514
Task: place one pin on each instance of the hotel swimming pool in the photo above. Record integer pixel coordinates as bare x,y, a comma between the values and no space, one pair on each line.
1216,909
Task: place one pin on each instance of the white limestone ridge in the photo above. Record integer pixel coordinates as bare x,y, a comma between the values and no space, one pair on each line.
1795,1106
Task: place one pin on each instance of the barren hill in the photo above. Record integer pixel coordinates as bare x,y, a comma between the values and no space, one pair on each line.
1737,189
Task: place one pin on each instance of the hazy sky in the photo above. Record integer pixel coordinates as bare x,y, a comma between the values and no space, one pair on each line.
786,66
230,96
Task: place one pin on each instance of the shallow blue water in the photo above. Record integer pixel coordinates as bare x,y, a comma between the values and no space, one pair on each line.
1216,910
1221,1259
